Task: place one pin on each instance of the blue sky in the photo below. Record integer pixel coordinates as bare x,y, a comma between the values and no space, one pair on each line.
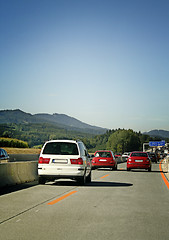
104,62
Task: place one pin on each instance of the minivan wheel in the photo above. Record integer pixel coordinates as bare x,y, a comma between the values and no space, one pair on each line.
115,167
88,178
82,180
41,180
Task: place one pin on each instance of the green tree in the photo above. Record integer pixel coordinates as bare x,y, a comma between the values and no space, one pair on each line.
124,141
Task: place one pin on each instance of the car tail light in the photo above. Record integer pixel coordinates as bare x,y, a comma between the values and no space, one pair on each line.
78,161
129,159
44,160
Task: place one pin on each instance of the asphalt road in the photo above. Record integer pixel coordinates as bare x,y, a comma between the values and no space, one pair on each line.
116,205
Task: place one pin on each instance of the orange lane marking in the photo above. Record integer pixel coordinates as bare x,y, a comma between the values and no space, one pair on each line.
105,176
61,198
163,176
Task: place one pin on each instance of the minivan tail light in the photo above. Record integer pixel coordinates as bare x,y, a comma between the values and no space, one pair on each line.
78,161
44,160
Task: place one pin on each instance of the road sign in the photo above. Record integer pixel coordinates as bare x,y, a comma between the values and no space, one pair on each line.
157,143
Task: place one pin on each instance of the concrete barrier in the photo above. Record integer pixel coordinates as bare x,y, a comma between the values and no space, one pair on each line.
12,173
23,157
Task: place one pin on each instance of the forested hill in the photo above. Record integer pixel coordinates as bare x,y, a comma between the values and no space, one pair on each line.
158,133
59,120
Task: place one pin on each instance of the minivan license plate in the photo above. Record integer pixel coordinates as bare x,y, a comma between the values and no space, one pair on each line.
60,161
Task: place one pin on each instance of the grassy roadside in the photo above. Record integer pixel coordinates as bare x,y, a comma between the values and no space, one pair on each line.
22,150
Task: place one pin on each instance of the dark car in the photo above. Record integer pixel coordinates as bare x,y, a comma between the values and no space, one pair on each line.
117,155
3,154
153,157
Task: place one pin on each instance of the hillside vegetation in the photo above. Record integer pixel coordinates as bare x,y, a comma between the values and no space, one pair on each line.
11,150
14,143
57,120
120,140
38,133
34,130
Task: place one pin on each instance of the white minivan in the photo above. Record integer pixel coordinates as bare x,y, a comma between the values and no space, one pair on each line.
64,159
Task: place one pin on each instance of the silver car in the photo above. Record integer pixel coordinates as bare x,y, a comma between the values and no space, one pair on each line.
64,159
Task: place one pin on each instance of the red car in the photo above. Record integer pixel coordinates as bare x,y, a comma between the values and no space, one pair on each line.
104,159
139,160
117,155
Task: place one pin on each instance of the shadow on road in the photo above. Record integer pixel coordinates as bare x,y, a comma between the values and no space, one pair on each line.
92,184
132,170
15,188
144,171
108,184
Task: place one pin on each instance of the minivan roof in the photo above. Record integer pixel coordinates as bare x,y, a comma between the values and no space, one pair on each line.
63,140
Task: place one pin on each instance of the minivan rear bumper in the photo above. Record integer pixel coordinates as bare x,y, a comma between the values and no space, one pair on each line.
60,171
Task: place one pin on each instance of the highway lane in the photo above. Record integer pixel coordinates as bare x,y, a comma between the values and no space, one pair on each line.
116,205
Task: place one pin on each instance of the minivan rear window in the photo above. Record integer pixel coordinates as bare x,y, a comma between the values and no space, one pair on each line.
61,148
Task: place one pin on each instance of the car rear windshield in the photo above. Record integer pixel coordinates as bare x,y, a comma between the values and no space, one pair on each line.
103,154
61,148
152,154
139,155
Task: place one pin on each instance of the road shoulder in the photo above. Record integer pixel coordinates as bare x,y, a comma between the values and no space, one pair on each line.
165,167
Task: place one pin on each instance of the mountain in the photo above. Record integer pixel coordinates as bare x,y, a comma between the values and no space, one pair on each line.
158,133
59,120
66,120
17,116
